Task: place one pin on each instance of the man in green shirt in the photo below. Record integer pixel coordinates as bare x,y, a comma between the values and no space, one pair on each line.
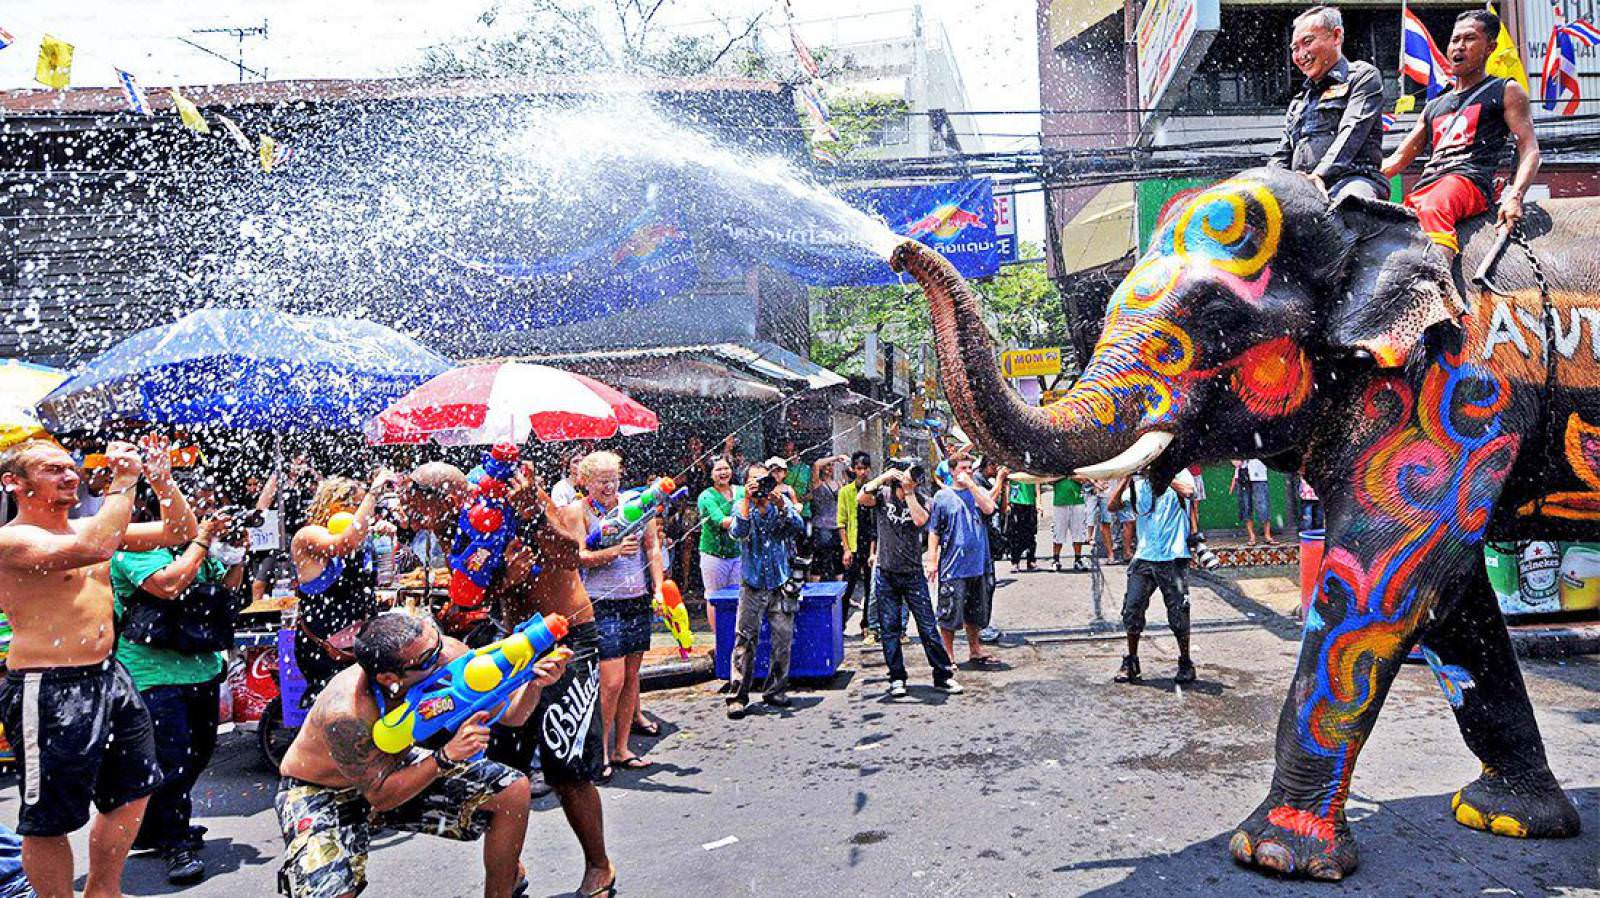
178,688
1069,522
1022,523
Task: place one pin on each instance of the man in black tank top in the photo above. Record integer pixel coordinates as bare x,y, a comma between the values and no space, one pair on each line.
1467,131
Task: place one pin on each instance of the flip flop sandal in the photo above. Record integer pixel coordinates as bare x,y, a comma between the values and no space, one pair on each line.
648,728
635,763
987,662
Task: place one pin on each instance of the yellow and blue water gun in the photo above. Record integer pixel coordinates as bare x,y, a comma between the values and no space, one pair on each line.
481,680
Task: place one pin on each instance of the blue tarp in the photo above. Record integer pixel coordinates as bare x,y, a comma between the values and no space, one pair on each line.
685,229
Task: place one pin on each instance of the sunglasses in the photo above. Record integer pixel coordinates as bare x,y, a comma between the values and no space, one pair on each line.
426,662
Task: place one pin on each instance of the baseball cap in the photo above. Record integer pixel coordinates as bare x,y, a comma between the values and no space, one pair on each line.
775,462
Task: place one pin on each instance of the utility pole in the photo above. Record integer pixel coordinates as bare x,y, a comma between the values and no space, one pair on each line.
239,33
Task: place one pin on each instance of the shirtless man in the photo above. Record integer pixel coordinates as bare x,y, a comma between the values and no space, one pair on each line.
337,782
566,728
82,734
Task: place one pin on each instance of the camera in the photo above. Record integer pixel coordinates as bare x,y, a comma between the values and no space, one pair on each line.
912,465
241,519
1203,555
763,488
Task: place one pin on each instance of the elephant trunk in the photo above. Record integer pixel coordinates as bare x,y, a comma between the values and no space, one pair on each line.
1069,436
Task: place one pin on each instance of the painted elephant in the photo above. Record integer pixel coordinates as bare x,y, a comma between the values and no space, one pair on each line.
1261,323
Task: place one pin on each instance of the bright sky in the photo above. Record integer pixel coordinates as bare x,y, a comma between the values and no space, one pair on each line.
993,40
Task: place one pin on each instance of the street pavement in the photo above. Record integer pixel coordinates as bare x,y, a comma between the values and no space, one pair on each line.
1043,779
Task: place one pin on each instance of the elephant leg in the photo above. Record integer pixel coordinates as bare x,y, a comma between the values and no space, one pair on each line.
1349,655
1471,654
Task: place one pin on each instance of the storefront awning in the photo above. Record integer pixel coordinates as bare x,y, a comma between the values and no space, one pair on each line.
1070,18
1102,232
756,370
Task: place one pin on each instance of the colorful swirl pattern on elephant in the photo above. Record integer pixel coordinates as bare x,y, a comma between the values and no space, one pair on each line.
1331,342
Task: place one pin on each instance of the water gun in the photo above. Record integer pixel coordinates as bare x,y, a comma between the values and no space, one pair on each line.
485,529
634,510
676,616
477,681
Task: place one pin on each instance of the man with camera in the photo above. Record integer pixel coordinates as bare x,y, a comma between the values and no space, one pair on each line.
1160,560
83,736
900,504
765,520
176,667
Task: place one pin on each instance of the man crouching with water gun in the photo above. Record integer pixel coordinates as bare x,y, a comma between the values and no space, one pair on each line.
339,784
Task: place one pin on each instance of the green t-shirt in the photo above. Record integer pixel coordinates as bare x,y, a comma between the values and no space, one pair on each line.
799,479
151,666
1066,492
714,509
1024,494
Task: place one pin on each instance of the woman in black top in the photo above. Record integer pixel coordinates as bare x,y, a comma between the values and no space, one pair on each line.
337,580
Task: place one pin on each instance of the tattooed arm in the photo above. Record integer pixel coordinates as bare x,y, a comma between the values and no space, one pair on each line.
385,780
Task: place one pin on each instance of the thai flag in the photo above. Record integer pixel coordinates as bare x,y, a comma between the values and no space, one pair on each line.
1388,120
6,39
1560,75
1583,32
1420,60
133,93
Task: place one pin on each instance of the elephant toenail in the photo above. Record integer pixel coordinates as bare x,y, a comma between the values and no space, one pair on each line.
1275,857
1239,846
1324,868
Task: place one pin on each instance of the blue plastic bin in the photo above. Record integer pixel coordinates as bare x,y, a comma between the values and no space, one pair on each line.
818,633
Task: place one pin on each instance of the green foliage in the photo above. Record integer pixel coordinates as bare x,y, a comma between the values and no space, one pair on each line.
532,37
859,119
1021,308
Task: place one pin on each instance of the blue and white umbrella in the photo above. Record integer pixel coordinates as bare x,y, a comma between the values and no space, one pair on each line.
245,368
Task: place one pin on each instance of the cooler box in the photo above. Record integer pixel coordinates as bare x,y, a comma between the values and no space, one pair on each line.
291,684
818,633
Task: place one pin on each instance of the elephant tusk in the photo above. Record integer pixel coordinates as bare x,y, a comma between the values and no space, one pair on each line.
1143,451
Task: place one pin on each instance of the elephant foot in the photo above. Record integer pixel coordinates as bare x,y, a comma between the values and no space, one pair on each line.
1531,808
1296,843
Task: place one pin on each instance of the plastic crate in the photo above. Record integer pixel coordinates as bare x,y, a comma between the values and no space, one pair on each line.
818,633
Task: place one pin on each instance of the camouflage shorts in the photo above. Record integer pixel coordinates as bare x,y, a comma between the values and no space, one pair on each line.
327,832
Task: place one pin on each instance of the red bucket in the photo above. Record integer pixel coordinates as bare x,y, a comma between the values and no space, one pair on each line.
1310,564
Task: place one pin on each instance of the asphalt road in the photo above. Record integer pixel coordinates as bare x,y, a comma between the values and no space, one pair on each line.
1043,779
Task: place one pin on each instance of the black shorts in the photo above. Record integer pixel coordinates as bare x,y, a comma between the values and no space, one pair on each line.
81,734
964,601
624,626
566,729
1144,577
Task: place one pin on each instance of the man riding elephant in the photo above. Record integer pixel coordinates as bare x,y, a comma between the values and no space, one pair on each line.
1261,323
1466,130
1332,133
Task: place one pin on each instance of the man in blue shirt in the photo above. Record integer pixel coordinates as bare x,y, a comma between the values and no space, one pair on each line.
1160,560
958,550
764,521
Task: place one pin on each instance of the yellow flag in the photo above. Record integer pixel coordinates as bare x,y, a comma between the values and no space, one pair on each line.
1504,61
55,63
1405,104
268,153
187,111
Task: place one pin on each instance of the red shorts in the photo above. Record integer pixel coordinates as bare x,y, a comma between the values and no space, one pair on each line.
1441,204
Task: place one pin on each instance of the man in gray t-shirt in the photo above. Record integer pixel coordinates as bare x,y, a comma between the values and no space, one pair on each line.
900,504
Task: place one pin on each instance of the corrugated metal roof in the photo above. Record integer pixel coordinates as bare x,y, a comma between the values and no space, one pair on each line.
764,360
269,93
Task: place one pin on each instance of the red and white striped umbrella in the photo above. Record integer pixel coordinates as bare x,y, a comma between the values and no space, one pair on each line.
503,402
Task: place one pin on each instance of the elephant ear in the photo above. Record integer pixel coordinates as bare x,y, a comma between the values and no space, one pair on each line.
1395,284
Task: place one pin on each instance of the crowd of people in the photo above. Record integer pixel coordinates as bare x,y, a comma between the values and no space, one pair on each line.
143,645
